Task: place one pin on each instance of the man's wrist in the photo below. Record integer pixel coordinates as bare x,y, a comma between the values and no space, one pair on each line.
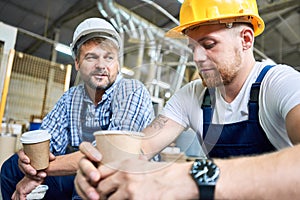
194,191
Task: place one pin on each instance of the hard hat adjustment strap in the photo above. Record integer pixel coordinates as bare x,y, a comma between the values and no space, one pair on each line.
228,22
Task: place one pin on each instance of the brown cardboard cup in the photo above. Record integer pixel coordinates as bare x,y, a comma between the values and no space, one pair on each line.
36,147
118,145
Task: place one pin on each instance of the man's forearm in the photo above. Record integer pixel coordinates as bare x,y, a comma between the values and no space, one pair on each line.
65,164
270,176
155,139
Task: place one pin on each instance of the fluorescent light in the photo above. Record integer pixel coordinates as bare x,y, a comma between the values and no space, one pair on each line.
63,48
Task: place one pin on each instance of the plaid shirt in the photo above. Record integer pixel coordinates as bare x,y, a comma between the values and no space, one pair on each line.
126,105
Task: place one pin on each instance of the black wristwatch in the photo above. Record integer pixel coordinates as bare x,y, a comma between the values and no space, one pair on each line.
205,173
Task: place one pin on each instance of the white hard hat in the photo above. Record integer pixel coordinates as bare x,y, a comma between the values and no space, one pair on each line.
94,27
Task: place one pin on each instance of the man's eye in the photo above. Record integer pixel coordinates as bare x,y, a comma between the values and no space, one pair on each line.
209,45
109,58
90,58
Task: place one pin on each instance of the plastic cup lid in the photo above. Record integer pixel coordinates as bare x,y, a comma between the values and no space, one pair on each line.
35,136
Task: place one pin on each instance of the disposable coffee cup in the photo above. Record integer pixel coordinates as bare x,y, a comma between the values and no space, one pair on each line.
36,147
118,145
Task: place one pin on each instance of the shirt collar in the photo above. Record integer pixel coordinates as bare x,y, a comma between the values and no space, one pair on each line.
108,92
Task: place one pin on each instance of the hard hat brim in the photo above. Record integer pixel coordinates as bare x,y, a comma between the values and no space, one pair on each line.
178,31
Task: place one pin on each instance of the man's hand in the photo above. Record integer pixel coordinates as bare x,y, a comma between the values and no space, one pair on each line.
141,179
28,170
88,176
132,179
24,187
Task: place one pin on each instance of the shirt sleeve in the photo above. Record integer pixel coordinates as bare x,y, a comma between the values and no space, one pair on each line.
175,108
132,107
57,124
184,107
279,94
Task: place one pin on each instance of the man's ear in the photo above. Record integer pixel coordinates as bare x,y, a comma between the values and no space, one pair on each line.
247,35
77,64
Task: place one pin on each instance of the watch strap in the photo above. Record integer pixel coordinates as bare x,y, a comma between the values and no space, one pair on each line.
207,192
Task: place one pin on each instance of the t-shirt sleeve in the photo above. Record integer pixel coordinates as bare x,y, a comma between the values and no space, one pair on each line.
279,94
184,105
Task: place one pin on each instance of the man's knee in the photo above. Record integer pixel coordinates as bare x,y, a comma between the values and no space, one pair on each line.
10,167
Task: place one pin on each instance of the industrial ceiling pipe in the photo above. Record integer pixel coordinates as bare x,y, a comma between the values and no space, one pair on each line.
112,10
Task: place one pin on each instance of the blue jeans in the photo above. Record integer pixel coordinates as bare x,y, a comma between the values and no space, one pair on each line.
60,187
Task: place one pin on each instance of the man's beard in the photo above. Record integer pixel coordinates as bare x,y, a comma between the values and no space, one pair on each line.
211,80
93,84
222,75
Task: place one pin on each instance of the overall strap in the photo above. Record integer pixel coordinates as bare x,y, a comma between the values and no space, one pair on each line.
208,104
209,98
254,93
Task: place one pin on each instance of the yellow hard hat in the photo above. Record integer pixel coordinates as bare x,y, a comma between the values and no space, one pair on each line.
198,12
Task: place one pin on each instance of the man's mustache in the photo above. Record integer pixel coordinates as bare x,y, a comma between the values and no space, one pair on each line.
99,72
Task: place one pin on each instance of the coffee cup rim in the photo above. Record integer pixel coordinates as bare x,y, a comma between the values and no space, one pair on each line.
36,136
119,132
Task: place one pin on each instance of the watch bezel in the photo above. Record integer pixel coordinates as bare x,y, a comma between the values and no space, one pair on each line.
206,178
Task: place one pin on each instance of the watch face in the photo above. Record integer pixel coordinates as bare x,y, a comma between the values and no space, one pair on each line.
205,172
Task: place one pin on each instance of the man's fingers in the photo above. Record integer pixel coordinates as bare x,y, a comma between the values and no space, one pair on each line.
89,170
84,189
26,168
51,157
23,157
119,195
88,176
41,174
90,151
108,169
108,187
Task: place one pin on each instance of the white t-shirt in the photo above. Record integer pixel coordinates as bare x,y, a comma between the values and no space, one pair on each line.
279,93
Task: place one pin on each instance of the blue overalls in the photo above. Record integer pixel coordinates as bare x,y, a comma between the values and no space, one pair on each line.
240,138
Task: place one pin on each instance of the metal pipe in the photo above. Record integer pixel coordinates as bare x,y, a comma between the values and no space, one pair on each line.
289,27
56,39
180,70
152,65
163,11
153,33
140,57
158,59
115,9
36,36
118,25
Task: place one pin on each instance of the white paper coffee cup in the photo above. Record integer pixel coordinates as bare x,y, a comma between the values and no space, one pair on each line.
36,147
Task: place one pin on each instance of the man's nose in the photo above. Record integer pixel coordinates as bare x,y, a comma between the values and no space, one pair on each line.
199,54
101,63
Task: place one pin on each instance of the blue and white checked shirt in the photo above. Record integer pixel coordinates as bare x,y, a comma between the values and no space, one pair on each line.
126,105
